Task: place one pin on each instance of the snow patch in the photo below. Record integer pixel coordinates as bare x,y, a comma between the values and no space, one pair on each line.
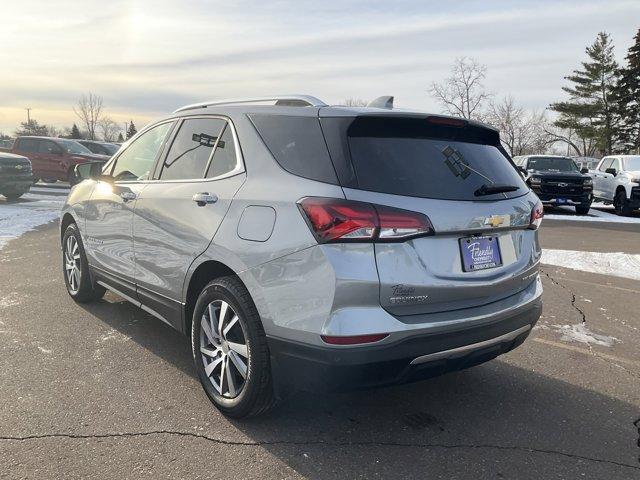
44,350
580,333
25,215
616,264
10,300
593,216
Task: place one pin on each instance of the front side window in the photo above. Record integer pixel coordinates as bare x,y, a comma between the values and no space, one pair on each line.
192,149
47,146
136,162
606,163
71,146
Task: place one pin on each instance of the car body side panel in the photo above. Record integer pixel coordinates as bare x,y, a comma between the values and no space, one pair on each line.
170,230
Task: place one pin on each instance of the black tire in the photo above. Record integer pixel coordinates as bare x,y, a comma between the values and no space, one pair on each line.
256,395
12,197
621,204
49,180
85,291
583,209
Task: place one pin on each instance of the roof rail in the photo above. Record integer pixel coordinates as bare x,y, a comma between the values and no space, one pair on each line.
283,100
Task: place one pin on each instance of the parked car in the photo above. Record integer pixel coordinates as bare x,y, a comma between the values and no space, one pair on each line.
53,158
558,181
6,143
15,175
616,180
101,148
301,245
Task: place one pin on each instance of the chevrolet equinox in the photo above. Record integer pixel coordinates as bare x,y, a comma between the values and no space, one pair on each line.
302,245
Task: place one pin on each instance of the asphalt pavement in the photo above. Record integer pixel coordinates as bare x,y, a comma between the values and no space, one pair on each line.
107,391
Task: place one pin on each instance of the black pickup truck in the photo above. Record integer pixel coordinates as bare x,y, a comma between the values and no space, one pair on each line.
16,176
557,181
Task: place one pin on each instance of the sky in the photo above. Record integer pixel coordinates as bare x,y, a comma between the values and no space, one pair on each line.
147,58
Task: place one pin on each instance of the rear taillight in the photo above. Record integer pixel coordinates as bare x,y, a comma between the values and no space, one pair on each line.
537,212
339,220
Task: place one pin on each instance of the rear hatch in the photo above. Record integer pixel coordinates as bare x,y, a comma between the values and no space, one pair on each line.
448,170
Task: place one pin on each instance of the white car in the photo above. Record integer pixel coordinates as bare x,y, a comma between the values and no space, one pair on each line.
616,180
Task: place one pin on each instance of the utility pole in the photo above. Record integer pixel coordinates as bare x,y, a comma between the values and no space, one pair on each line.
28,109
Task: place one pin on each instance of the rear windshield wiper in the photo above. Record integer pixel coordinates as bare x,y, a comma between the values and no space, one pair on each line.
495,188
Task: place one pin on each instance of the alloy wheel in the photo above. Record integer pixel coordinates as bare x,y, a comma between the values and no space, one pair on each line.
72,263
223,346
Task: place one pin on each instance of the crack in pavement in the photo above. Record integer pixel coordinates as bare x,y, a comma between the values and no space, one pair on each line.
239,443
573,295
637,425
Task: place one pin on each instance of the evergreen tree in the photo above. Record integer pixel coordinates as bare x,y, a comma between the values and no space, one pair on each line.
32,127
627,98
131,131
590,110
120,138
75,132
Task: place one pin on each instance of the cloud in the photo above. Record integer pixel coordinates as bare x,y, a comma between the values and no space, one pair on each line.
150,57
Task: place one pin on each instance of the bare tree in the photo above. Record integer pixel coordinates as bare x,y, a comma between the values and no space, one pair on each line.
109,128
522,132
463,93
89,111
354,102
581,146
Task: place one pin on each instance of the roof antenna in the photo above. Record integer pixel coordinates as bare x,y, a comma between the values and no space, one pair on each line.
382,102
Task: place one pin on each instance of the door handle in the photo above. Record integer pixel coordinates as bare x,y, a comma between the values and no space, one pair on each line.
204,198
127,196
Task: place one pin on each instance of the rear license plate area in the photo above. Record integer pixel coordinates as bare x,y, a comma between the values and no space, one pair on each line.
480,253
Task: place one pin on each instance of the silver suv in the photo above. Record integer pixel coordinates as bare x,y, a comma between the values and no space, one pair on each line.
302,245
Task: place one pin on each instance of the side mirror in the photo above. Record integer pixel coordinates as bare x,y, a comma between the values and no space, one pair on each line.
611,171
584,170
85,171
522,171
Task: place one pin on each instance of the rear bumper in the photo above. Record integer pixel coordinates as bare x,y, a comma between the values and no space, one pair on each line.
315,368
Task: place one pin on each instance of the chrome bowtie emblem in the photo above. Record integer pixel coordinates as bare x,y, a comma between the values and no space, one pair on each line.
18,167
494,220
562,184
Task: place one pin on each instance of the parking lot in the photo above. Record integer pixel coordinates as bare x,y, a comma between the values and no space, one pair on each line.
107,388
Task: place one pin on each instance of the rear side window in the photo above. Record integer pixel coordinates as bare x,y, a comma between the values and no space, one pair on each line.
297,144
409,156
224,159
192,148
28,145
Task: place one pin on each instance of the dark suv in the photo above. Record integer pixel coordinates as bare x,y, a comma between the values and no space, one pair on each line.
558,181
15,175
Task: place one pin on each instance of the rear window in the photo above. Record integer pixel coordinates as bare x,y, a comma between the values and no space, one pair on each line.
410,156
297,144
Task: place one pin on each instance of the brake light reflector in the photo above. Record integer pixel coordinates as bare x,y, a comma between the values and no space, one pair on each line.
354,339
339,220
537,213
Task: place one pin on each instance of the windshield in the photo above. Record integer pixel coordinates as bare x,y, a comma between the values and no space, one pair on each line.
552,164
632,164
72,146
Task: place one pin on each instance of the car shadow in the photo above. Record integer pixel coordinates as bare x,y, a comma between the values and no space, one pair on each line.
497,420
